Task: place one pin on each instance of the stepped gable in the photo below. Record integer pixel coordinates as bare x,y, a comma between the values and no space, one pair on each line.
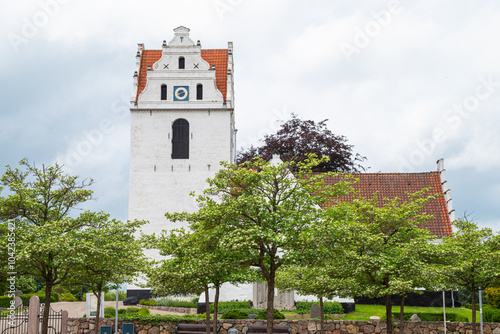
216,57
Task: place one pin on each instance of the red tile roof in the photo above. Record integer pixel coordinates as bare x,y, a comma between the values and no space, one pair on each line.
217,57
391,185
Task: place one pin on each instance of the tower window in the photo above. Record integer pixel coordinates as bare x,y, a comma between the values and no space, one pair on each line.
180,139
182,63
199,92
163,92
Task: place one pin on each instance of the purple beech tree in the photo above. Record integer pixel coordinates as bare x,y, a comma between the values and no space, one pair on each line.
296,138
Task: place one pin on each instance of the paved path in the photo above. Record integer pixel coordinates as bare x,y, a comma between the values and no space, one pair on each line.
77,309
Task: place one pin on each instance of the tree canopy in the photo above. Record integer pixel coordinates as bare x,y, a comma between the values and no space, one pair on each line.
470,258
38,206
259,210
297,138
110,254
380,247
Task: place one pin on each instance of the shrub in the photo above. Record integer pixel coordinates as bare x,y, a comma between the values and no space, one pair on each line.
167,301
110,310
143,311
276,314
5,301
132,309
54,297
491,314
122,311
232,305
425,316
67,297
493,297
328,307
469,306
235,314
147,302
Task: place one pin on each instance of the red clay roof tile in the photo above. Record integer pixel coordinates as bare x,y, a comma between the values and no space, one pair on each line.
391,185
217,57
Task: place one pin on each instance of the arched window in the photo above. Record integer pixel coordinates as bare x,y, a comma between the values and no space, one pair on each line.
163,92
182,63
199,92
180,139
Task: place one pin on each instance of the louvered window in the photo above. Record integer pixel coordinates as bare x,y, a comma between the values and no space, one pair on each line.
180,139
199,92
163,92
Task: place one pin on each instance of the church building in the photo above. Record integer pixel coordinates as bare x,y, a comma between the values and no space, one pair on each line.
183,125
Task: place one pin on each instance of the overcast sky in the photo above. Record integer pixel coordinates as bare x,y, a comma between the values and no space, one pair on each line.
407,82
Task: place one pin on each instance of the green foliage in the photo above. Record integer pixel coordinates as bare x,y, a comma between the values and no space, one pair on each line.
493,297
143,311
328,307
67,297
425,316
469,259
26,284
5,301
170,302
111,296
148,302
262,314
54,297
235,314
491,314
152,318
132,309
110,310
231,305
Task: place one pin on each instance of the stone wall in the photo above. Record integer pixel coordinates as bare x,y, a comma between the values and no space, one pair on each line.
87,326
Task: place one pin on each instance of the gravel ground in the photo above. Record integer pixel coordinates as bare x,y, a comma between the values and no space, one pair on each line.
77,309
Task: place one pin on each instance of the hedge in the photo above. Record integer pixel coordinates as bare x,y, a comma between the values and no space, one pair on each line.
328,307
5,301
235,314
233,305
276,314
491,314
54,297
425,316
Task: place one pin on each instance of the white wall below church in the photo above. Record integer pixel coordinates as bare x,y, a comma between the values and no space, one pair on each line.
160,184
229,292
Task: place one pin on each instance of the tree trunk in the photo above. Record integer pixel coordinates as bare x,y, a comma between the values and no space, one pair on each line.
98,314
207,307
216,306
322,322
473,302
46,308
270,303
402,315
388,313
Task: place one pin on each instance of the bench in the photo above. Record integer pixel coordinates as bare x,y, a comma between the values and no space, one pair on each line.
195,328
259,329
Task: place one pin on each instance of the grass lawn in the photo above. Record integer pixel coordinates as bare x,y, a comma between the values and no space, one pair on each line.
364,312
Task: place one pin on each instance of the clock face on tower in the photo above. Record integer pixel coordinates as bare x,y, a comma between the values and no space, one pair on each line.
181,93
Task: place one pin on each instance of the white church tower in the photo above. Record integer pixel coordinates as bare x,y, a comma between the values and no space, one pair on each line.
182,126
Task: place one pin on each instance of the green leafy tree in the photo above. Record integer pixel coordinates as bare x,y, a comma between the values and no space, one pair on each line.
197,262
384,248
39,202
470,258
308,280
261,208
111,255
